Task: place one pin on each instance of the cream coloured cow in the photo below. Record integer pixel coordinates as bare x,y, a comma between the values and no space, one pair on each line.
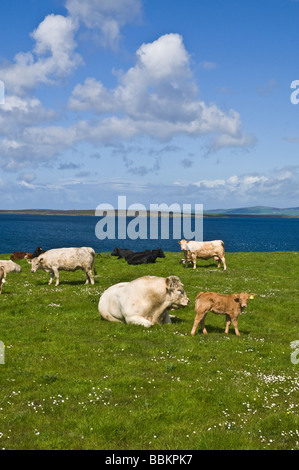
7,266
203,250
10,266
143,301
65,259
2,277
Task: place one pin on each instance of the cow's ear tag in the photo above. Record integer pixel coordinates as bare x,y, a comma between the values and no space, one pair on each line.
251,297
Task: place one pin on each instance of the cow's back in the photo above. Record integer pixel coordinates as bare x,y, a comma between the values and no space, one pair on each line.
68,258
121,300
209,249
10,266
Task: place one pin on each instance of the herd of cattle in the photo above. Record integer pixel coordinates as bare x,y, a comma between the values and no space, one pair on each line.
146,300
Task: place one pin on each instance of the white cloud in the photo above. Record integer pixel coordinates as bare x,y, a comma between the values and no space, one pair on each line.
254,188
157,97
163,58
19,111
52,58
105,17
35,145
210,183
233,140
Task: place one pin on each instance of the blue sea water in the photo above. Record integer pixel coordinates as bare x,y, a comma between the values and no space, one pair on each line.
248,234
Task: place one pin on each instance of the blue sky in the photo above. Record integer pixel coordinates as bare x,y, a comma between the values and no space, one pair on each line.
165,101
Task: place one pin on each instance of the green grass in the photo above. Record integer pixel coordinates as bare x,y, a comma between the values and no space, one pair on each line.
73,381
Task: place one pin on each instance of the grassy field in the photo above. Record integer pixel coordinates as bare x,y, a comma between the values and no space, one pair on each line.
70,380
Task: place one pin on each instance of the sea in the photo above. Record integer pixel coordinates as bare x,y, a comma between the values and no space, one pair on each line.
23,232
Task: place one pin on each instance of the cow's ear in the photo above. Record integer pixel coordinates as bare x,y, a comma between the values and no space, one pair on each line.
172,282
41,259
236,297
28,260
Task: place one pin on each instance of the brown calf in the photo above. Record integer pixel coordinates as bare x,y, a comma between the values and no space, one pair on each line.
229,305
20,255
2,277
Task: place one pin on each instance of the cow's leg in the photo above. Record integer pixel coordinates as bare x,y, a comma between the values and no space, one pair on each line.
51,278
235,323
194,260
165,318
89,277
199,318
109,317
186,259
224,263
56,274
202,324
228,321
139,320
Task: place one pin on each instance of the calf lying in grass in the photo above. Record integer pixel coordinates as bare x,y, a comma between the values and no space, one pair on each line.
229,305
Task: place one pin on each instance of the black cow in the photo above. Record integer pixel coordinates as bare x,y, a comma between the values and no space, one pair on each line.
138,257
37,252
145,257
121,252
158,252
141,258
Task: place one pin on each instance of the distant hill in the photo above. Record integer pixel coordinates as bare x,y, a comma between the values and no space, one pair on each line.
262,211
256,210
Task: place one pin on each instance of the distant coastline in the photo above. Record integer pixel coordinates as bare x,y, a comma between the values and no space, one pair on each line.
130,213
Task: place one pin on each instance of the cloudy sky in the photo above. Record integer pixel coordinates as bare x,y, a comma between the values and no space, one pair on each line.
169,101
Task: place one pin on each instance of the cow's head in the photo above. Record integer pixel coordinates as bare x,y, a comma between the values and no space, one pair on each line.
184,245
36,263
243,298
175,292
160,253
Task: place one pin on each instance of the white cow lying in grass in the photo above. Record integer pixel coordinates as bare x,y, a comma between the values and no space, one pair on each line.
7,266
10,266
143,301
66,259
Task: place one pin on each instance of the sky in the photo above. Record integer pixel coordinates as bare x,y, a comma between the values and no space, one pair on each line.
163,102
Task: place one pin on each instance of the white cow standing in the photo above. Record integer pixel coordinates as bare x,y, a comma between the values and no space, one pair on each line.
66,259
203,250
143,301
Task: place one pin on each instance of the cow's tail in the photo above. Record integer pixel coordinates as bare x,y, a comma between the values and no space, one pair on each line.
93,262
94,269
197,300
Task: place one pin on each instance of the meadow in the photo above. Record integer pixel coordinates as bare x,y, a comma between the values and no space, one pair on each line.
71,380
